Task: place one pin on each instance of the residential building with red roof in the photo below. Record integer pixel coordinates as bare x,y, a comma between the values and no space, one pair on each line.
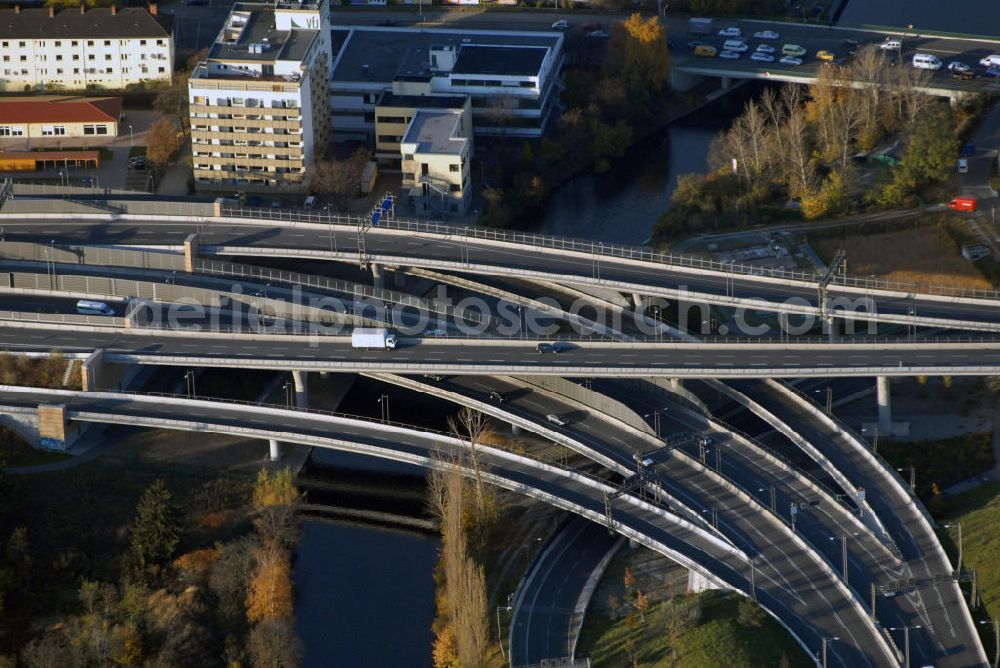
55,116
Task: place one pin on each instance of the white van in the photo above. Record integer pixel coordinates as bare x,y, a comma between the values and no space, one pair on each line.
87,307
737,45
793,50
991,61
926,61
310,202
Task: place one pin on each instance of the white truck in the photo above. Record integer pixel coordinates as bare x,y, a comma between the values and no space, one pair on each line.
373,337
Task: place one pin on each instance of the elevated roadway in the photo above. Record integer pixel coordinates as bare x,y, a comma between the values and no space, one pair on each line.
632,270
805,605
503,356
822,518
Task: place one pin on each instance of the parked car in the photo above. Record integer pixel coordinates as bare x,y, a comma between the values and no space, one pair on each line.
598,33
729,55
956,66
893,44
990,61
590,27
963,165
993,71
761,57
694,44
790,60
765,48
137,162
766,34
967,150
793,50
823,54
561,24
737,45
731,31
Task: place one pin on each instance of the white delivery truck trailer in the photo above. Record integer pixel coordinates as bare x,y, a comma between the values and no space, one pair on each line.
373,337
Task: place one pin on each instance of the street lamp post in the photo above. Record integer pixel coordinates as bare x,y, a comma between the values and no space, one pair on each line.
906,642
864,430
288,394
996,634
774,497
384,405
913,477
131,138
189,378
505,608
656,419
957,525
826,641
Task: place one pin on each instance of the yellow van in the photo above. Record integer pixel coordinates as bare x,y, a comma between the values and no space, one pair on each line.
705,51
793,50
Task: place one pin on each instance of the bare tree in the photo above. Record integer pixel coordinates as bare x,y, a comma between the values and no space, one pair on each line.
798,165
869,70
470,425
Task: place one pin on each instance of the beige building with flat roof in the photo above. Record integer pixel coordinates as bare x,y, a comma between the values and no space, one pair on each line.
436,150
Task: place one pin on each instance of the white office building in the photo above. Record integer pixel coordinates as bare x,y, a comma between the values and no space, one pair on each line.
258,102
512,78
77,49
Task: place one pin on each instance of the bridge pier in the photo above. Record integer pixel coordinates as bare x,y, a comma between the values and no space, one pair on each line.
727,83
515,430
97,375
301,379
698,583
378,276
884,404
275,450
190,252
831,329
638,303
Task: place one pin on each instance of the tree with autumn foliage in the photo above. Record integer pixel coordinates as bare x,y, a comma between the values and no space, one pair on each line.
270,595
164,142
639,57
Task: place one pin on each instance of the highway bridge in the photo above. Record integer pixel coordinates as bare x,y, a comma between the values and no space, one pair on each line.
891,523
635,271
805,596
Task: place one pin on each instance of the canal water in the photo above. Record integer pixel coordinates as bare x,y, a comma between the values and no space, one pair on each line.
623,205
365,594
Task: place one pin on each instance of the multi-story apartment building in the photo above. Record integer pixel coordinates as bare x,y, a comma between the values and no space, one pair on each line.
435,153
259,101
75,49
511,78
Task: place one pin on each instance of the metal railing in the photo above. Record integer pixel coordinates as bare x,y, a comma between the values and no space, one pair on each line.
601,249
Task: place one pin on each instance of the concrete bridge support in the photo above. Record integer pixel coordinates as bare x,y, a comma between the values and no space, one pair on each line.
190,252
301,379
275,450
378,276
97,375
884,404
638,303
727,83
698,583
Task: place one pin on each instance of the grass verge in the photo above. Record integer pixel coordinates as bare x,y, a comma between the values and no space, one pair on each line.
921,256
941,463
717,639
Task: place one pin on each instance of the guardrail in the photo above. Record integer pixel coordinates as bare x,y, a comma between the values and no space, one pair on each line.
640,253
174,262
203,214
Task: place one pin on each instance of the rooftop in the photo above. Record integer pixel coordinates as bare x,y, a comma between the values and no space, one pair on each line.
390,99
257,40
434,132
496,60
129,22
60,109
386,50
